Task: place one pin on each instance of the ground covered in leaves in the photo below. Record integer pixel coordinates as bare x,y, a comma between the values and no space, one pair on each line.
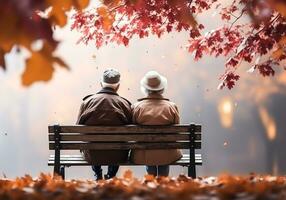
222,187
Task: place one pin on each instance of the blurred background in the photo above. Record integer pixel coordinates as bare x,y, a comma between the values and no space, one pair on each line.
243,128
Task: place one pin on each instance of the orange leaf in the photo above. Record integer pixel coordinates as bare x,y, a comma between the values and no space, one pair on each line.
39,67
148,177
280,7
60,62
59,8
111,3
282,41
81,4
107,18
187,18
58,13
277,54
102,11
107,23
128,174
58,17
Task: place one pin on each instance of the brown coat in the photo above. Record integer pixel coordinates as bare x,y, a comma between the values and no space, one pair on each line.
155,110
105,108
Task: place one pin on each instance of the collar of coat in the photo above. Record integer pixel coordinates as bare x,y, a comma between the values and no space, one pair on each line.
105,90
154,96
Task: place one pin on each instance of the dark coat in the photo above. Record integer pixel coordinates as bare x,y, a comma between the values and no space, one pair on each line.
105,108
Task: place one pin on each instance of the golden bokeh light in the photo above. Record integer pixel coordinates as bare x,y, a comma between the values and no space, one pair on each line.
268,123
225,109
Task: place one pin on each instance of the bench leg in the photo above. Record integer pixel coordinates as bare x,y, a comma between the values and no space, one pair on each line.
62,172
57,170
192,171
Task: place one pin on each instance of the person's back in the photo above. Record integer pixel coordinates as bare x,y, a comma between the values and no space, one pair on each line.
106,107
154,109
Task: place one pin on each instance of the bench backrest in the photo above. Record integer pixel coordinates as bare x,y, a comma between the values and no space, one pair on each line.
125,137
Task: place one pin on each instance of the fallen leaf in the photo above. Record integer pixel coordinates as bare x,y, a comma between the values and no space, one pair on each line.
128,174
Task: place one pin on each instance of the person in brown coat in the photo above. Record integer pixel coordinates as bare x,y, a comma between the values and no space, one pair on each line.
106,107
154,109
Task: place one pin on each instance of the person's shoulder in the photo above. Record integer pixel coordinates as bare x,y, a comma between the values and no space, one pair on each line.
173,106
170,103
125,100
87,97
136,104
140,101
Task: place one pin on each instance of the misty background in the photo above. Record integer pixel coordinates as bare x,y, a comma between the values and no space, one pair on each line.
243,128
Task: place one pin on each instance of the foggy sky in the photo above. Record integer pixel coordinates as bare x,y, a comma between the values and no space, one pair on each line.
240,149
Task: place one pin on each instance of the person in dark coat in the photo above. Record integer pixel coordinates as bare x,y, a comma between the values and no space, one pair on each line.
106,107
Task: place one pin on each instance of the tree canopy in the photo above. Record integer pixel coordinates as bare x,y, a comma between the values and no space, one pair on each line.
253,30
259,39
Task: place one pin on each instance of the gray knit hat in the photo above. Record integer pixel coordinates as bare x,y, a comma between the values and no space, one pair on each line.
111,76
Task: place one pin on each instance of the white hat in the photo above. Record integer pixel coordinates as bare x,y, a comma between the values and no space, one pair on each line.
153,81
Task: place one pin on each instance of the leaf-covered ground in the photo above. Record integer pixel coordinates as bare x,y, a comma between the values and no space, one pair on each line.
222,187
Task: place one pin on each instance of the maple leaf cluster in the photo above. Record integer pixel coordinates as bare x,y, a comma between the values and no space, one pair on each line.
120,20
128,187
22,23
259,40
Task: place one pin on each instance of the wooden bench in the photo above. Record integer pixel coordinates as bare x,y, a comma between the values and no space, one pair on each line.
123,137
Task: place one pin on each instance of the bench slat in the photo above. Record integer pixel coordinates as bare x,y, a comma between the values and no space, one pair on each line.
125,138
82,162
122,146
126,129
81,158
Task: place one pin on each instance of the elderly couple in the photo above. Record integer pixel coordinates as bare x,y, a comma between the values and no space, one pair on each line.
106,107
